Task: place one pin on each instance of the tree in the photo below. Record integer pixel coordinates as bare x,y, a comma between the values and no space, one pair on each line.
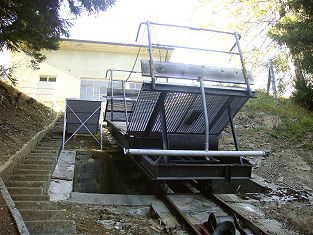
30,26
295,29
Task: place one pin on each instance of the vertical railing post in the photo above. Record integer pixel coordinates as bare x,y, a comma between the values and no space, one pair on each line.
125,105
164,127
205,112
244,70
64,125
150,54
101,126
111,77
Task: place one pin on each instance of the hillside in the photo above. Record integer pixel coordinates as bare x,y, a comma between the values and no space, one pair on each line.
281,127
21,117
284,129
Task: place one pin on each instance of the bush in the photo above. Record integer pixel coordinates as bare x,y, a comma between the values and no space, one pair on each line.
303,94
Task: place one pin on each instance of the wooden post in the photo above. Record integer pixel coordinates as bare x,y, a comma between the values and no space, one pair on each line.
17,99
271,79
1,100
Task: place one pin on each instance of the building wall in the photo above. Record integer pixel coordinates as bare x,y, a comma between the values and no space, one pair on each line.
72,63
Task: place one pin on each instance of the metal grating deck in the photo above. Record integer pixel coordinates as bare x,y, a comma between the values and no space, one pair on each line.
184,109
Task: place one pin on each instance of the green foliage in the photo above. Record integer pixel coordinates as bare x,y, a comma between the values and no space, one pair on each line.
295,29
32,25
303,92
296,121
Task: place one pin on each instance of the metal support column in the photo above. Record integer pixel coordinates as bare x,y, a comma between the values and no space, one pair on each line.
244,70
164,129
64,126
205,112
100,127
233,131
125,105
111,74
151,54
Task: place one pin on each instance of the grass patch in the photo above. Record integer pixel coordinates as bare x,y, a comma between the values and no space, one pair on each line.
296,121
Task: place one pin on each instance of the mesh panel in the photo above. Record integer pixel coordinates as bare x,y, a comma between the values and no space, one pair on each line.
235,106
142,110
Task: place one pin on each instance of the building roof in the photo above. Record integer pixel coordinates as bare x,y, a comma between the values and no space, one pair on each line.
112,47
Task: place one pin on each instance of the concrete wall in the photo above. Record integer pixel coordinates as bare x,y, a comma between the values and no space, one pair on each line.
74,61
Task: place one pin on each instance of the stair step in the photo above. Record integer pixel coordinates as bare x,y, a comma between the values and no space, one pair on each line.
39,205
54,159
30,197
47,147
42,154
26,184
23,177
42,158
51,226
39,162
49,141
35,214
44,151
35,167
25,190
33,172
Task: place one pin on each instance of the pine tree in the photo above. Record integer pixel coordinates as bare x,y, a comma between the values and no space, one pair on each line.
30,26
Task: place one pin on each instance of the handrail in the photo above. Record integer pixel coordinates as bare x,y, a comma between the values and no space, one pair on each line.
158,45
124,99
183,27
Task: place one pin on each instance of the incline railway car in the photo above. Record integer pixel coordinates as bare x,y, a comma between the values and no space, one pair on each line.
171,125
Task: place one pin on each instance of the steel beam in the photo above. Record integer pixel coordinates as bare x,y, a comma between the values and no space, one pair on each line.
194,153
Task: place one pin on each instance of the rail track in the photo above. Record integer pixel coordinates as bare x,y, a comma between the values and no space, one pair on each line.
221,220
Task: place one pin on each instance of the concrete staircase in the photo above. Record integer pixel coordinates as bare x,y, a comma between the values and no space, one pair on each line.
29,185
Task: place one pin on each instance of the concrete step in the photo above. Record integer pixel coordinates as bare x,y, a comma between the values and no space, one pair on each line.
36,167
39,205
33,172
42,154
25,190
42,158
26,184
38,158
35,214
39,162
35,150
30,197
47,147
23,177
51,226
49,140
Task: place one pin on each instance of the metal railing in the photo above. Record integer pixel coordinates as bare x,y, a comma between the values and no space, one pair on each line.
109,76
231,51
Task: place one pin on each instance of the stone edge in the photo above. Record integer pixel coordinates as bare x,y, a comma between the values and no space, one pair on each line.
19,222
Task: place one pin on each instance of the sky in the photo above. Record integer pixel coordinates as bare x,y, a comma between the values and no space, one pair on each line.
120,22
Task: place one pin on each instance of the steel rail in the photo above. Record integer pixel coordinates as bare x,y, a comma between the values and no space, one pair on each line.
179,215
228,209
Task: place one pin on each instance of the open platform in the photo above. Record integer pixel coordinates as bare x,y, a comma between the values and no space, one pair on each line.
172,129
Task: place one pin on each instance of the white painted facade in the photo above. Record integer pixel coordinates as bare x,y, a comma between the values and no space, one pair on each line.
75,67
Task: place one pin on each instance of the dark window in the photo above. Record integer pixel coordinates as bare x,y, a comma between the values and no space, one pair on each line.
45,78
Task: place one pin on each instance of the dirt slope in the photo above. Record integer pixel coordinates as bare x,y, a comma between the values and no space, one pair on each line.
20,119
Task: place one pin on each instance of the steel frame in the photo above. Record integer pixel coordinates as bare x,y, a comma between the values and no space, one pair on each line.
165,163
